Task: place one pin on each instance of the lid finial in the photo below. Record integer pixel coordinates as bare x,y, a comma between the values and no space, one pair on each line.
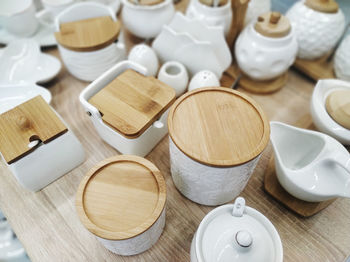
23,122
244,239
275,17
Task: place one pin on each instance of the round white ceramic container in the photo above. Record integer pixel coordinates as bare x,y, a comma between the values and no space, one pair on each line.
207,185
317,33
236,233
342,60
212,16
203,78
145,56
175,75
146,21
256,8
264,58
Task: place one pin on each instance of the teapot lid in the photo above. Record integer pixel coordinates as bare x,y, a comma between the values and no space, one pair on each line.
338,107
213,3
121,197
236,233
273,24
324,6
88,34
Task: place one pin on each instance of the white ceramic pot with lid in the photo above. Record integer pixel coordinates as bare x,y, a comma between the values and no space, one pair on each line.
145,18
318,25
236,233
213,13
267,48
216,137
122,201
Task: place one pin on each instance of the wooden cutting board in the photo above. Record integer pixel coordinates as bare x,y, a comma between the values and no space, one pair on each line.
32,120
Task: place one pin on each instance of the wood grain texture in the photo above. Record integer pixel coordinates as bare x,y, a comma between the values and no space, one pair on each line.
218,126
239,9
121,197
273,24
32,120
317,69
49,228
88,34
324,6
338,107
132,102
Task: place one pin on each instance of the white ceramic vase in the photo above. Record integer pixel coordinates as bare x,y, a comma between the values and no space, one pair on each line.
317,32
175,75
212,16
342,60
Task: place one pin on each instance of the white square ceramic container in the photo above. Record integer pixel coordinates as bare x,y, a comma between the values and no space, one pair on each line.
47,161
216,138
141,145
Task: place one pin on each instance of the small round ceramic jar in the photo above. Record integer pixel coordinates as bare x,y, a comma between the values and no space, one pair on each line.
236,233
145,18
212,13
342,60
267,48
256,8
175,75
318,26
216,137
122,202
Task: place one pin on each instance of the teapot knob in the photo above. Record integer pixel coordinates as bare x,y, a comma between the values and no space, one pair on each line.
275,17
244,239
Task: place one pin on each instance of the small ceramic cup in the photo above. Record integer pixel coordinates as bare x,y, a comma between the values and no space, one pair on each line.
145,56
18,17
203,78
175,75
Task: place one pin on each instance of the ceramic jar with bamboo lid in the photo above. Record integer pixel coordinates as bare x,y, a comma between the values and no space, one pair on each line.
145,18
318,25
216,138
267,48
89,39
212,12
122,201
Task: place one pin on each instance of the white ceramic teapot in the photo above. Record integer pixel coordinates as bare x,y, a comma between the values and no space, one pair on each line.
145,19
267,48
318,25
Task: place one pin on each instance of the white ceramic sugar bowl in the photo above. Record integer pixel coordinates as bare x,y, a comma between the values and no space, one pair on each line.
318,26
219,15
267,48
145,20
342,60
236,233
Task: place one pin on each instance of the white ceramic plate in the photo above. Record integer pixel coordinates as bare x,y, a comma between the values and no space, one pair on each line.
44,35
12,95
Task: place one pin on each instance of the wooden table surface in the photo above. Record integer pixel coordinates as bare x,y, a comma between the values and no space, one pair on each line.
47,224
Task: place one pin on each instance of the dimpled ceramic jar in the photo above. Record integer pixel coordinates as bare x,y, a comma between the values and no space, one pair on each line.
218,13
342,60
267,48
318,25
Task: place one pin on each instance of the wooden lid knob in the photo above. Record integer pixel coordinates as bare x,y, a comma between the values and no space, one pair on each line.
338,107
324,6
273,24
23,122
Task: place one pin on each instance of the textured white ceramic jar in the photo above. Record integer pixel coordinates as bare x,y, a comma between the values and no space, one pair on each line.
317,32
212,16
256,8
205,184
146,21
264,58
342,60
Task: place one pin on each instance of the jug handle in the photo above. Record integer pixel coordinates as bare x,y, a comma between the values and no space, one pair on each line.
336,162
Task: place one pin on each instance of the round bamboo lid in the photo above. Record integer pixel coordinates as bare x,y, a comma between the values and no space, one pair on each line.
88,34
273,24
218,126
146,2
121,197
338,107
324,6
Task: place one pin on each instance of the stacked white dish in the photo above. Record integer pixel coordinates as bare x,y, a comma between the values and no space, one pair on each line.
194,44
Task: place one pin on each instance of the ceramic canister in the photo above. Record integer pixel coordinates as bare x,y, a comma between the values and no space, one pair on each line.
342,60
94,42
318,26
236,233
220,15
145,18
267,48
216,137
121,201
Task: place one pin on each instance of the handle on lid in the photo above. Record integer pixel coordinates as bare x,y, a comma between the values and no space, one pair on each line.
238,207
275,17
23,122
244,239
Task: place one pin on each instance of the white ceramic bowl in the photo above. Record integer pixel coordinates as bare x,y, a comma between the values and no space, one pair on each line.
145,56
322,120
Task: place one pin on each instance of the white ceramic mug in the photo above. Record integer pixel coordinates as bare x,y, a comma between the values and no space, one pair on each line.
18,17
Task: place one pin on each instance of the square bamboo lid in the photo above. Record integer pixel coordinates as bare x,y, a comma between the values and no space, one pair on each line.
32,120
132,102
88,34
